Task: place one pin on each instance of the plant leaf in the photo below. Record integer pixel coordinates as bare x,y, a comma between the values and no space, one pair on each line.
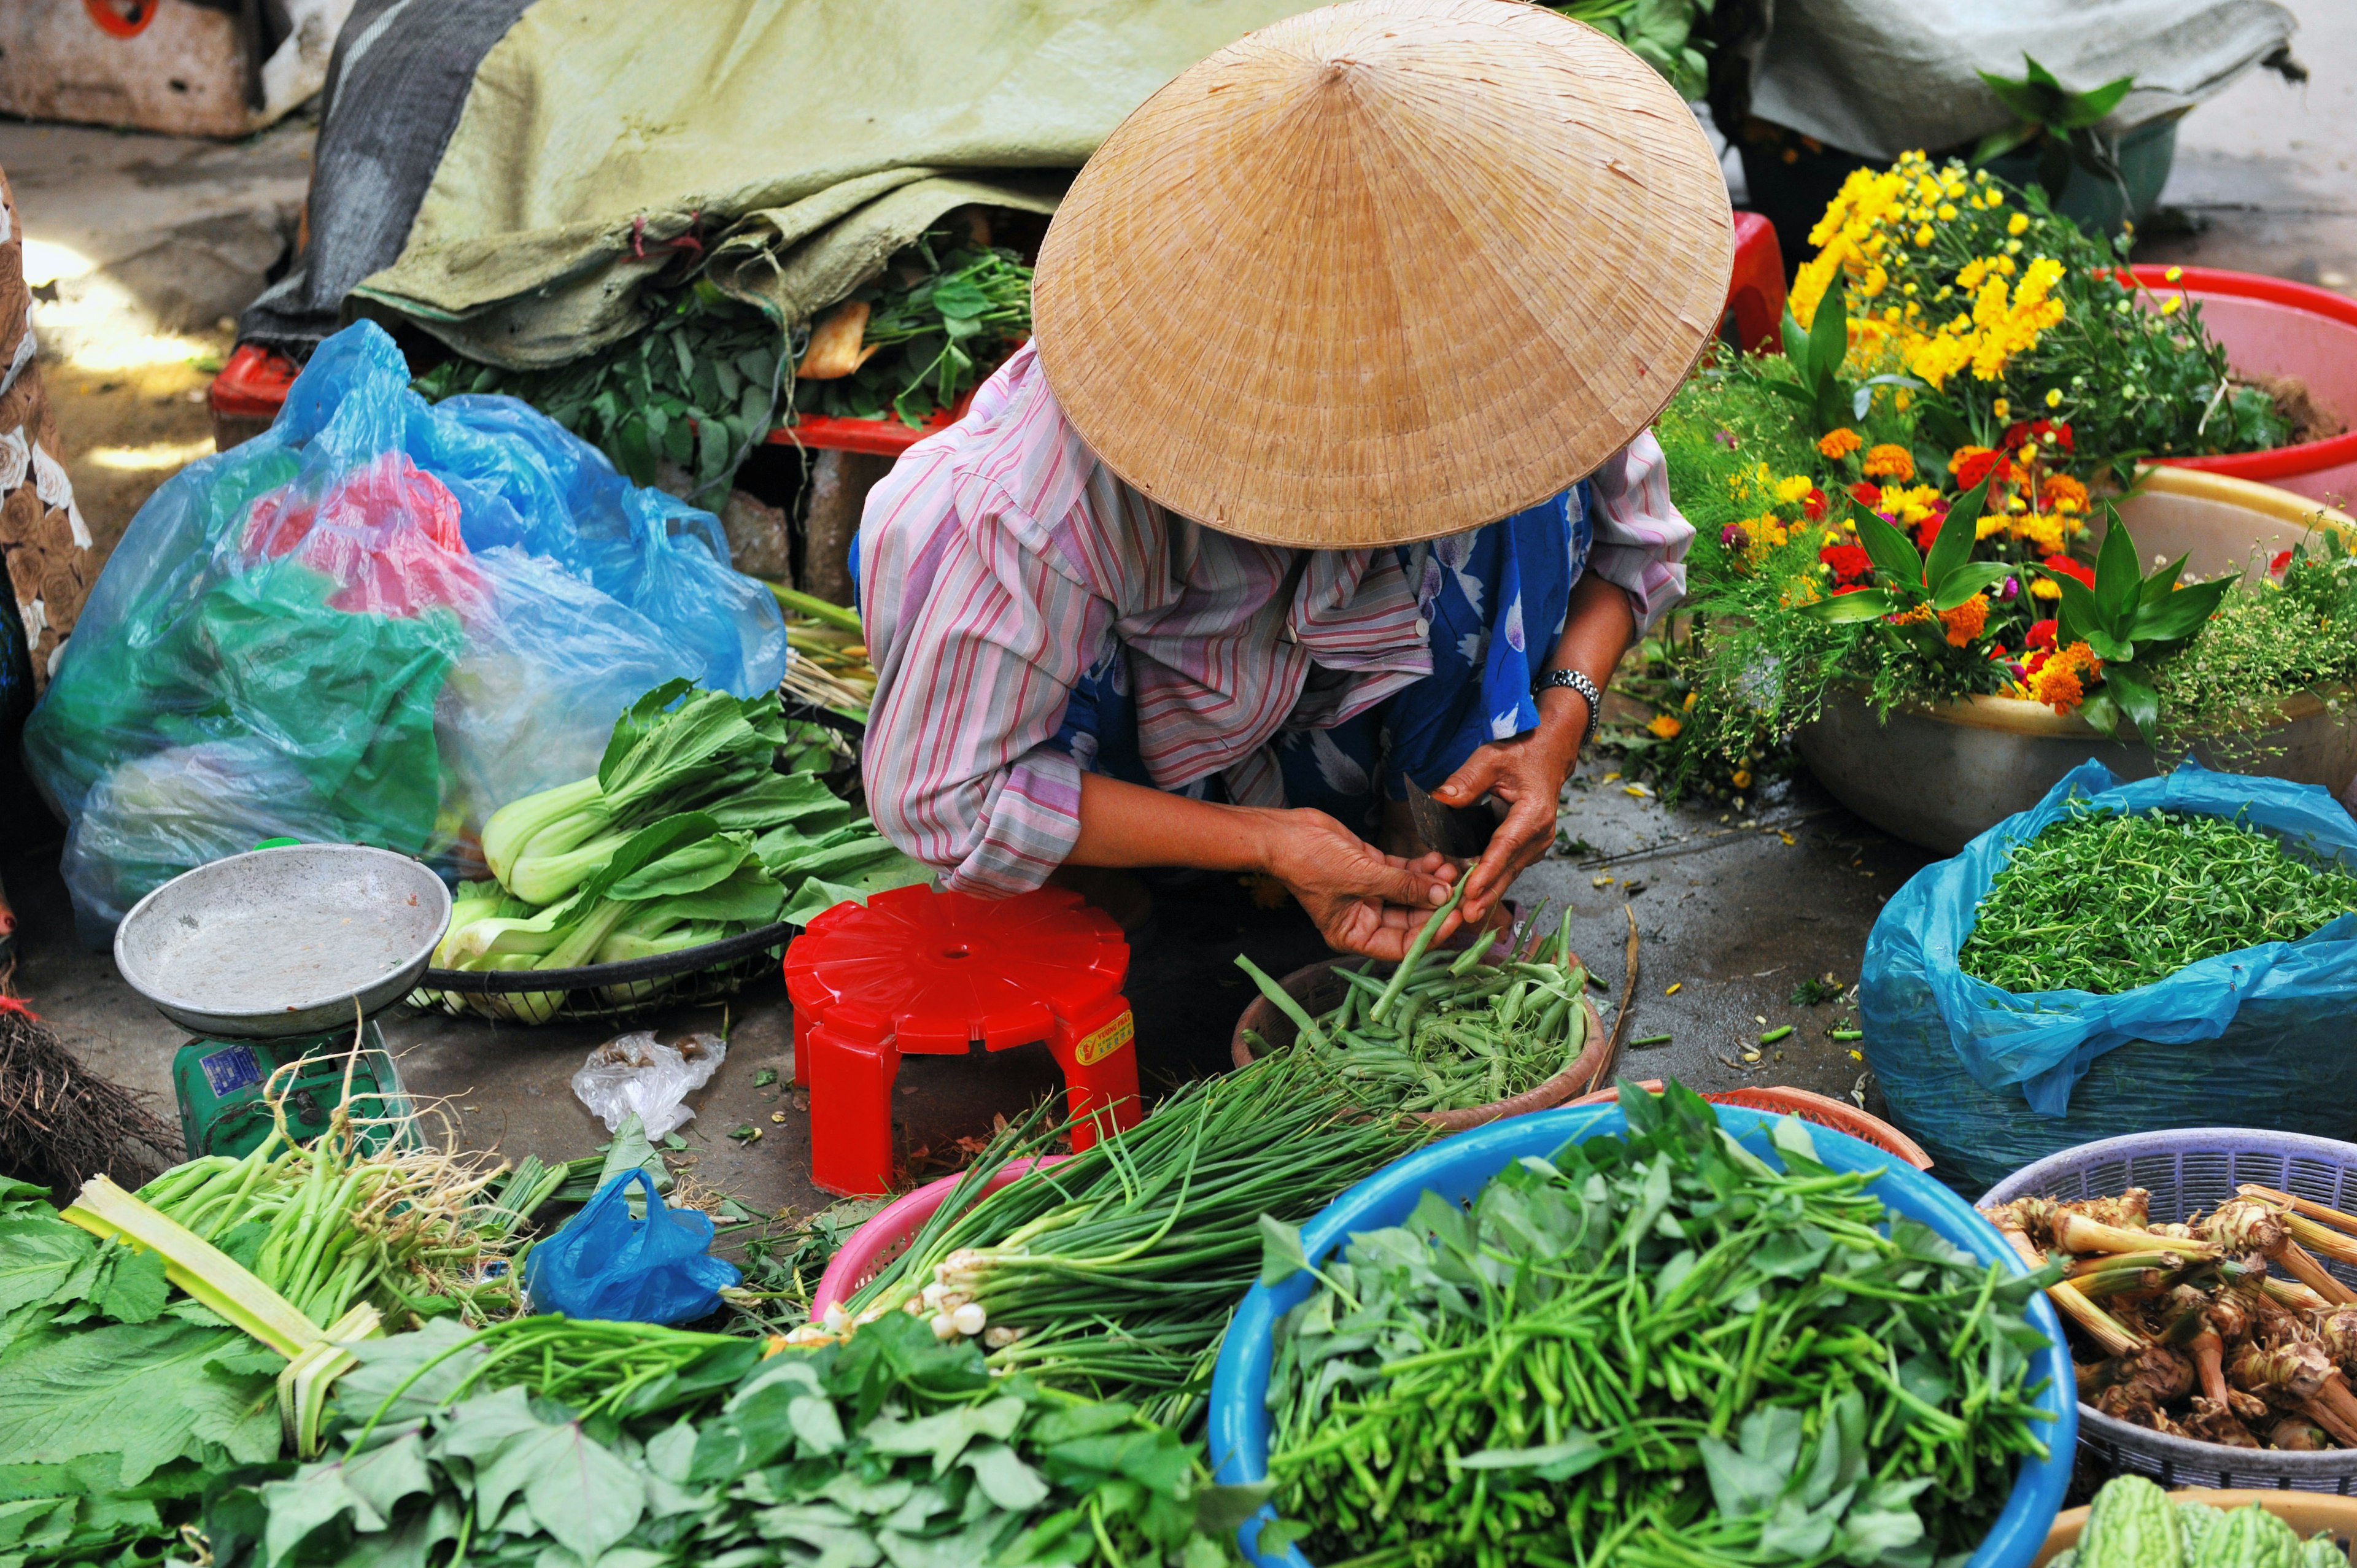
1841,608
1829,333
1958,532
2136,697
1965,581
1281,1254
1894,554
2182,612
2076,617
2118,581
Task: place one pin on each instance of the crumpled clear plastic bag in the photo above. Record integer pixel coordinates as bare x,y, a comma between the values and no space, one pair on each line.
375,623
632,1074
1988,1080
602,1263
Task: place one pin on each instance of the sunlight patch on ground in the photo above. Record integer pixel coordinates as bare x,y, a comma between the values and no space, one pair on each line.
153,458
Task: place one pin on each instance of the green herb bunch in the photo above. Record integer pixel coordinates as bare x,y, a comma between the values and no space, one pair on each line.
950,313
2105,901
1661,33
699,387
1656,1352
2295,631
890,1447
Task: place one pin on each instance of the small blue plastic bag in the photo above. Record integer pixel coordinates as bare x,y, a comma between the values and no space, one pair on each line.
605,1265
1988,1080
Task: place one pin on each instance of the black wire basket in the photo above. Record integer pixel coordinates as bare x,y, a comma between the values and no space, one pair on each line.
605,993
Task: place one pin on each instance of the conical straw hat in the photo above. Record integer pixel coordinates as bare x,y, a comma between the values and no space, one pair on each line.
1385,271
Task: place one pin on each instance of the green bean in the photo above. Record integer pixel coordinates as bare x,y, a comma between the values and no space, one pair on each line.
1416,949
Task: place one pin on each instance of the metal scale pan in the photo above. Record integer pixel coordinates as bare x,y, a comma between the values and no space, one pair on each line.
282,942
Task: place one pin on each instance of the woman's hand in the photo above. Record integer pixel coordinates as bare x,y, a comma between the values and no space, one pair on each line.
1527,774
1362,900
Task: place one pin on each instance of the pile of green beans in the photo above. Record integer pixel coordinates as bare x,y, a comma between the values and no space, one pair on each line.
1445,1038
1656,1352
2104,901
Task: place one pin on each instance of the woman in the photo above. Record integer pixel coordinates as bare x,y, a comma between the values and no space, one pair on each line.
1283,505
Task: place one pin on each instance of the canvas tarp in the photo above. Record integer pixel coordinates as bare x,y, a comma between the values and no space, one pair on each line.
800,142
1879,77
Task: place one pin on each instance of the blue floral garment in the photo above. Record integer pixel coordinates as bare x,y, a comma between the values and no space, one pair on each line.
1495,599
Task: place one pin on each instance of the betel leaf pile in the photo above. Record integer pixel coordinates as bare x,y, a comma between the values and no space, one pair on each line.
1657,1351
891,1448
2105,901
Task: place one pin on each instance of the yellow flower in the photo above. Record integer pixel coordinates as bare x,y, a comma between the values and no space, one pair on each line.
1996,193
1947,212
2018,223
1793,490
1990,522
1923,236
1691,697
2054,398
2044,588
1741,779
1665,727
1968,277
2013,247
2002,409
2170,305
1839,444
2173,273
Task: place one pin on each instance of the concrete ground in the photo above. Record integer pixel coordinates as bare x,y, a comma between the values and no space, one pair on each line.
1733,909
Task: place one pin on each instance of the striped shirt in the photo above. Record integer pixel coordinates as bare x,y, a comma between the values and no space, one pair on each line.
998,557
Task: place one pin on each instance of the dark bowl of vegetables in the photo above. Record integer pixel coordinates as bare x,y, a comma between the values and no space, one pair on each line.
1470,1038
1656,1333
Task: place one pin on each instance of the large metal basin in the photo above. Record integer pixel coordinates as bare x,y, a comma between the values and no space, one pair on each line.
1941,777
282,942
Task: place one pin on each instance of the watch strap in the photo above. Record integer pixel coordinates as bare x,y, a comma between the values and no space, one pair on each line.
1575,681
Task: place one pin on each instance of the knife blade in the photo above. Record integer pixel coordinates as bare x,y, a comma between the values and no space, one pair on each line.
1458,831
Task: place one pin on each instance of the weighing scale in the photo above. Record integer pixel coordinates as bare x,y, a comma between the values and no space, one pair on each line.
275,959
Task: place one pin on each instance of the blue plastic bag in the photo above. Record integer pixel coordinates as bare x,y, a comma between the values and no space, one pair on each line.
603,1263
1988,1080
375,623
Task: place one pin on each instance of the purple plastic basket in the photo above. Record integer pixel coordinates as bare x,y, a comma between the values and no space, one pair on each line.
2186,1170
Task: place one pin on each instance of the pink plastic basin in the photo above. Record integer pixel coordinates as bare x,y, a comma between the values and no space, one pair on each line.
2272,328
887,1236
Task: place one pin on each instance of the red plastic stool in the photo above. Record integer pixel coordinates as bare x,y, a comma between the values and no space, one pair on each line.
1755,293
921,972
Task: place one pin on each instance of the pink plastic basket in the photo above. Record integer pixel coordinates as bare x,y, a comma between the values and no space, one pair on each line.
884,1238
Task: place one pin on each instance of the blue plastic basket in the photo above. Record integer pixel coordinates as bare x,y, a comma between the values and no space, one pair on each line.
2189,1169
1460,1166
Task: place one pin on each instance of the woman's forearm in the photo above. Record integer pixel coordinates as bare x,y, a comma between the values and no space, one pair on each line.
1124,825
1597,627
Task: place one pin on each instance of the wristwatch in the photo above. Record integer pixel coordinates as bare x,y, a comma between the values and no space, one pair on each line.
1584,687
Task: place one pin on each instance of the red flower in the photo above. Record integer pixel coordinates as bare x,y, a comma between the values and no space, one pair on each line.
2041,634
1814,507
1850,562
1865,494
1978,466
2068,568
2276,567
2015,433
1927,532
1851,588
2059,434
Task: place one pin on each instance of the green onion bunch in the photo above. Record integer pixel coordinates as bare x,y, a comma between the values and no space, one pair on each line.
1657,1351
1113,1273
1450,1037
2105,901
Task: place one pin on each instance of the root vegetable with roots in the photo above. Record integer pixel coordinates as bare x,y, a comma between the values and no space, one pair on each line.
59,1122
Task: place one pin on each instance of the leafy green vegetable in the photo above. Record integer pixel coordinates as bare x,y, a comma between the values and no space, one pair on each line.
697,388
891,1448
1654,1350
950,313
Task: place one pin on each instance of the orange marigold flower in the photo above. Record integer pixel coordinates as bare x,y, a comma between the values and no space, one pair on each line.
1889,462
1840,444
1967,621
2061,492
1665,727
2061,681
